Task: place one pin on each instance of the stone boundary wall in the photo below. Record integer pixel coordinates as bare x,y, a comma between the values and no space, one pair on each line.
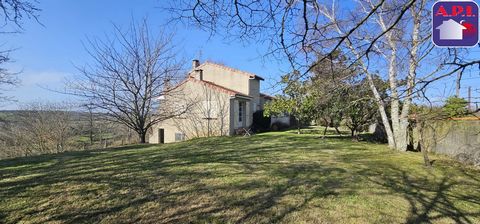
456,138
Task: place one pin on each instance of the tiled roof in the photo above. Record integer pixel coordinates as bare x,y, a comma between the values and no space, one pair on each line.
266,96
218,87
251,75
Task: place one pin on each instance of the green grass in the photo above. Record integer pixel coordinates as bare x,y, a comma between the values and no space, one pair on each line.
266,178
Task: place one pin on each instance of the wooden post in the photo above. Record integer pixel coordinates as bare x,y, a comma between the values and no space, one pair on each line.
457,89
469,99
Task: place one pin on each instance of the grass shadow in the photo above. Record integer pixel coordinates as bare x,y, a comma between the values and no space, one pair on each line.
266,178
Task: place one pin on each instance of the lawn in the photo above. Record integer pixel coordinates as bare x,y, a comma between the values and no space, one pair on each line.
266,178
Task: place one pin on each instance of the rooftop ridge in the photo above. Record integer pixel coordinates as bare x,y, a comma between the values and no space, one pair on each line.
217,87
251,75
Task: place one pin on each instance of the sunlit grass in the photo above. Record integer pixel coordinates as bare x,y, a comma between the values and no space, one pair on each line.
271,177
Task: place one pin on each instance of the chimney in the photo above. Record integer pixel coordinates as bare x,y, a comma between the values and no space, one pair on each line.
195,63
199,74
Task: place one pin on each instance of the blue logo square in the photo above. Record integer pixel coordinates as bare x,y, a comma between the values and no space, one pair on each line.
455,24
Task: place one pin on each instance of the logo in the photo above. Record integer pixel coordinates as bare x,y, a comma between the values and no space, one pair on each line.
455,23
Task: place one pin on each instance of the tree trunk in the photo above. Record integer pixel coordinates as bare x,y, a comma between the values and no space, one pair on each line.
426,160
338,131
298,126
378,98
325,131
383,112
91,137
142,137
423,146
398,133
91,128
401,133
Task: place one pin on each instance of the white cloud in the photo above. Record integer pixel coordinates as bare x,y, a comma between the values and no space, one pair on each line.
38,86
30,79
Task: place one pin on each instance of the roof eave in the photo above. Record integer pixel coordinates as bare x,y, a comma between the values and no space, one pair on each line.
242,96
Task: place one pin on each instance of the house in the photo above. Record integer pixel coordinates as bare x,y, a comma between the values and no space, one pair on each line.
451,30
218,101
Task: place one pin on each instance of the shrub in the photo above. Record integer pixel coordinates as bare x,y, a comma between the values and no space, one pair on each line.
455,107
260,122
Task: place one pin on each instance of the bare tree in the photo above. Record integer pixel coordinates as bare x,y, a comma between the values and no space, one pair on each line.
13,12
91,119
388,52
131,71
385,36
214,110
208,111
296,29
44,128
7,79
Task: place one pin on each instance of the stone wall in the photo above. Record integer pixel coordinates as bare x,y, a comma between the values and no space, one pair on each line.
456,138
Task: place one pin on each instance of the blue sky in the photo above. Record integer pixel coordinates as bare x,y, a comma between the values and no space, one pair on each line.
47,54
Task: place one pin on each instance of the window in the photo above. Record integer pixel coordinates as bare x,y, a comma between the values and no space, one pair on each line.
241,111
179,137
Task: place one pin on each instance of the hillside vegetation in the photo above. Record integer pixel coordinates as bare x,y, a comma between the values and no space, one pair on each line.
51,128
266,178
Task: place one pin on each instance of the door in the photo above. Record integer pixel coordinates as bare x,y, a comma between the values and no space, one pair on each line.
161,136
242,112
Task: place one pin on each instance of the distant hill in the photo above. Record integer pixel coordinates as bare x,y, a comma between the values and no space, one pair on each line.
10,115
